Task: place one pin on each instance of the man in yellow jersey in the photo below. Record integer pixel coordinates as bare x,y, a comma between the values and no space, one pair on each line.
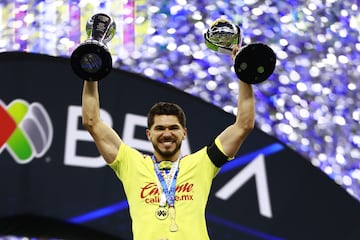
167,193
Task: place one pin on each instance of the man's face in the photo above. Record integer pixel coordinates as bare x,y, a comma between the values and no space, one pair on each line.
166,135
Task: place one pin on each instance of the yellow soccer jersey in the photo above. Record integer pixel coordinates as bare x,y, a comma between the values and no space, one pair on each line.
136,172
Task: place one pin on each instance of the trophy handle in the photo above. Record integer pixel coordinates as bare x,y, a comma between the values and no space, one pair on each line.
254,63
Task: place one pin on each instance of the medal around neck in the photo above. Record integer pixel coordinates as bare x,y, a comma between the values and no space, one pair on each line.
161,213
173,226
91,60
165,165
253,64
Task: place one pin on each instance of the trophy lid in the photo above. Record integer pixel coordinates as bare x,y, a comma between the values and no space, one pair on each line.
101,27
222,36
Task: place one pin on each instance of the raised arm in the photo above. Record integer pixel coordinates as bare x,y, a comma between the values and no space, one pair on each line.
106,139
233,136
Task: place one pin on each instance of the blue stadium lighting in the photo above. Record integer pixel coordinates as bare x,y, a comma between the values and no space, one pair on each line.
241,228
102,212
242,160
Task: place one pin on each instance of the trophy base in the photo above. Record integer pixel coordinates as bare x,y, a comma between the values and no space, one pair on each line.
254,63
91,61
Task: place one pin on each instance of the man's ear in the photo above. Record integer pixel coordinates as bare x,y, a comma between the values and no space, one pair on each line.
185,134
148,134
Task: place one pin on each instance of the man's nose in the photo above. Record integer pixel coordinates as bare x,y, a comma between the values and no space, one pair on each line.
167,131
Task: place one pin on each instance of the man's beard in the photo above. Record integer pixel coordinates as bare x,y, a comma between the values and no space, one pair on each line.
167,154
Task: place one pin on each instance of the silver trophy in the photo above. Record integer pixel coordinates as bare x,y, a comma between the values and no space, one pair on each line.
91,60
253,63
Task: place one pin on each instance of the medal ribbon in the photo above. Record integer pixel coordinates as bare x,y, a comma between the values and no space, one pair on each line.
169,185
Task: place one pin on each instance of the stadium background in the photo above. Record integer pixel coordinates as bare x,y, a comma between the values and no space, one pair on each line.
310,103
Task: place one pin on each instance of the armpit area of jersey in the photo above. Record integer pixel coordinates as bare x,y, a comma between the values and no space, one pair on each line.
216,156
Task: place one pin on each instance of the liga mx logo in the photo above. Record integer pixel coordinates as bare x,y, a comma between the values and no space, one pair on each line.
26,130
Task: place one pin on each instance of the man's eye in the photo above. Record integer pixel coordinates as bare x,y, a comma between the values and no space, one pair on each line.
159,128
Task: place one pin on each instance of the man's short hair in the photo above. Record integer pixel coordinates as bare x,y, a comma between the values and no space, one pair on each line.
166,108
